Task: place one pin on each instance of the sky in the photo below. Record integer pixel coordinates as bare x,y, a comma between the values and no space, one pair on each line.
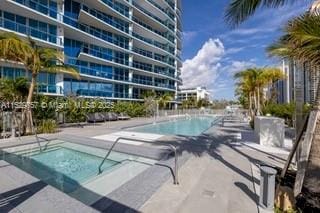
213,51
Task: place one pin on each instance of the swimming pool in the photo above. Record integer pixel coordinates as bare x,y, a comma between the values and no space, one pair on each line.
192,126
73,168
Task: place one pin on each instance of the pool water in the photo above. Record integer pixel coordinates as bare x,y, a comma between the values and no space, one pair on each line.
188,127
66,166
76,165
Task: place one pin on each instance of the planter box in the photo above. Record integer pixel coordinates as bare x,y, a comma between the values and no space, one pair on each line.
269,131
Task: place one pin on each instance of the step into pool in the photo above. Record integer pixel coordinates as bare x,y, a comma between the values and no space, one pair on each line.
73,168
192,126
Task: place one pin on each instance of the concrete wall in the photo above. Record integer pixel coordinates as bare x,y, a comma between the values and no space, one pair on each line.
269,131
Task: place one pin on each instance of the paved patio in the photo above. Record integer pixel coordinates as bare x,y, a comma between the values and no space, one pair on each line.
216,173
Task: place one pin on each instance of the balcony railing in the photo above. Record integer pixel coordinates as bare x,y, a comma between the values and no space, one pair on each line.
104,55
30,31
162,34
103,17
94,32
49,88
162,9
95,71
153,42
42,8
164,23
124,10
149,54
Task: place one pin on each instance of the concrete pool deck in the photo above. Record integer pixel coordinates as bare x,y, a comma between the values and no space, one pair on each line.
215,174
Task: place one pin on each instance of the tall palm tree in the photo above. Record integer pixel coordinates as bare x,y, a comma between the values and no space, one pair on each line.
301,42
251,83
35,59
271,75
240,10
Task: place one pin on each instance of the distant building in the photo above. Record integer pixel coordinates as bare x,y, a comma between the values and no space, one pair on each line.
300,83
197,93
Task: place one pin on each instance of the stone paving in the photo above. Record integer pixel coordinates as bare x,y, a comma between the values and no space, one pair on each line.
215,174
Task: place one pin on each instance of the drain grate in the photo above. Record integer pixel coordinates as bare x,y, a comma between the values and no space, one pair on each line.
208,193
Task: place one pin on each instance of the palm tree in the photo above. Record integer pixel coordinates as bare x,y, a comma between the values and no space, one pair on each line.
251,83
271,75
164,100
301,42
35,59
240,10
149,102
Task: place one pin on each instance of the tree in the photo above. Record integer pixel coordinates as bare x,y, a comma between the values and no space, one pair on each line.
12,92
240,10
164,100
300,41
271,76
150,103
35,59
252,81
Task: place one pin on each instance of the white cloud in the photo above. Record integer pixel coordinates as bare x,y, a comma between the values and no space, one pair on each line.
188,36
234,50
210,68
236,66
202,69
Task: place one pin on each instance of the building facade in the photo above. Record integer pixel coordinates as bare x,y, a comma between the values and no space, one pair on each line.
300,83
197,93
121,48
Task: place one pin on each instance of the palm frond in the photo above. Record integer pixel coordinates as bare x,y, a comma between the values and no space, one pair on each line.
65,69
239,10
12,48
301,40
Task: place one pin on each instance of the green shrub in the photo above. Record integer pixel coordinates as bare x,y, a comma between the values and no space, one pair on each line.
133,109
285,111
43,110
47,126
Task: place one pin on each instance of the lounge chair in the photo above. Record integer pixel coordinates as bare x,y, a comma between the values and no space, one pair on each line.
123,116
95,117
108,116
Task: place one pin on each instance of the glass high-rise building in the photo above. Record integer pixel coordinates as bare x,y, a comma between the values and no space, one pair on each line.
122,48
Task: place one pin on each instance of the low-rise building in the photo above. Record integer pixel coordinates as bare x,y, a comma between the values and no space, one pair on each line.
197,93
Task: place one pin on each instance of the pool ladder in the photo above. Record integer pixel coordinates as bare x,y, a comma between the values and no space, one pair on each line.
172,147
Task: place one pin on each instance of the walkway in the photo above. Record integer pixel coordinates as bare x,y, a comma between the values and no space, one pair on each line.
219,177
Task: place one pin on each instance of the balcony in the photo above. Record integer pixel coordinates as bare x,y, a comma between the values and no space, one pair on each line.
51,89
168,14
30,31
101,73
154,56
124,10
147,27
141,81
42,8
165,24
163,47
101,34
106,19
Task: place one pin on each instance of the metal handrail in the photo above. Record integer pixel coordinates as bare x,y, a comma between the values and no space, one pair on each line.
173,148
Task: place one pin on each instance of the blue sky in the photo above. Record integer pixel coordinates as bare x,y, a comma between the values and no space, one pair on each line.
213,52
